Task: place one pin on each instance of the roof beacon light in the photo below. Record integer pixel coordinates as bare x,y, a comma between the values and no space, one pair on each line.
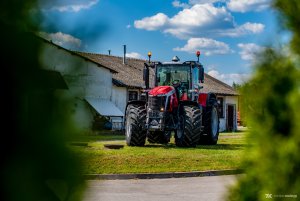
175,59
149,55
198,54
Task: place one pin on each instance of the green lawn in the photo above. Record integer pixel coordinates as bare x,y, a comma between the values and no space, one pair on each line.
154,158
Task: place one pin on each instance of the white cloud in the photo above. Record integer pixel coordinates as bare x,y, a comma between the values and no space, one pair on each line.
193,2
248,5
199,20
152,23
206,45
178,4
253,27
134,55
68,5
249,50
229,78
62,39
247,28
201,15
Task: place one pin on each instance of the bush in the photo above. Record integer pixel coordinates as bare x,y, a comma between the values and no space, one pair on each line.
272,162
272,97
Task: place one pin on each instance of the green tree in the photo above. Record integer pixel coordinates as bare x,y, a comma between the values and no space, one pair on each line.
236,86
271,99
289,15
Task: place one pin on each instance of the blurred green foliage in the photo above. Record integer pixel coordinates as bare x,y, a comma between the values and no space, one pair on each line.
271,102
35,162
289,15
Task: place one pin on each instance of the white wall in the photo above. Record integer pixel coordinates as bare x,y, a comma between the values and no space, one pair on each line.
83,78
119,97
232,100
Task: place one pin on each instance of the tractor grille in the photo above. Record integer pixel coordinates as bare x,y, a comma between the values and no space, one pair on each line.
154,114
156,102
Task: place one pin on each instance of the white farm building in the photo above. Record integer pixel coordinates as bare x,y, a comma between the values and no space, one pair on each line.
102,84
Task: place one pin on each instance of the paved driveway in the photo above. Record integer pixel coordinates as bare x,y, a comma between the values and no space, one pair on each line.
211,188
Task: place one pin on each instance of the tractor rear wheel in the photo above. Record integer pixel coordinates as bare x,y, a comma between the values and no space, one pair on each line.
188,134
211,126
135,119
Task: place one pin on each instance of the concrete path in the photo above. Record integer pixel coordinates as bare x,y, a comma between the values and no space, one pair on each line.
211,188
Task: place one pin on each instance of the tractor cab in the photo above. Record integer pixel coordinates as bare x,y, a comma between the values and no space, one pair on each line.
184,77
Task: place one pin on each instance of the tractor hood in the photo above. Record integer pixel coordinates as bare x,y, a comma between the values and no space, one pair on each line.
161,90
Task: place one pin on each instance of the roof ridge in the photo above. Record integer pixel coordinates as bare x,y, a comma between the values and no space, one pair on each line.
220,82
100,54
94,53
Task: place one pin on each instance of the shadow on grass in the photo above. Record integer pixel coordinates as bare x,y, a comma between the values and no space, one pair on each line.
212,147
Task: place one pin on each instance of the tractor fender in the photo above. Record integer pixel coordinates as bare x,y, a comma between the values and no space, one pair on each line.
207,99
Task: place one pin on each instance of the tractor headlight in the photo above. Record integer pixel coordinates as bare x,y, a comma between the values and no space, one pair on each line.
162,109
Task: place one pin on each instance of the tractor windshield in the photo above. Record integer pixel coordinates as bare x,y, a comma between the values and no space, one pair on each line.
166,75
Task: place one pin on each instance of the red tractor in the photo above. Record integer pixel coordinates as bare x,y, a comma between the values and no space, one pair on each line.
174,105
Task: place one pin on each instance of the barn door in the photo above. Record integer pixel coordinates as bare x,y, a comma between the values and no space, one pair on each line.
230,117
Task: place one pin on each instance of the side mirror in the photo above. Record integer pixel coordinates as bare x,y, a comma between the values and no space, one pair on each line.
201,74
146,76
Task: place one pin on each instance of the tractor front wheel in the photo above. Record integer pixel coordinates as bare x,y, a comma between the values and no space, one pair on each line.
189,123
135,119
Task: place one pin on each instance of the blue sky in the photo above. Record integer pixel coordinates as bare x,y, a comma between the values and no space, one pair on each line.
227,32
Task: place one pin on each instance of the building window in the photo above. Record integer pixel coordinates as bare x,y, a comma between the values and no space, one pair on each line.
133,95
221,106
143,97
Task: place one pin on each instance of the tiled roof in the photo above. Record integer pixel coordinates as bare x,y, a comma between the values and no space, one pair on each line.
131,74
216,86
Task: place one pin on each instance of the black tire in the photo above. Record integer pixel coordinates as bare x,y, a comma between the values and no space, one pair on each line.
211,126
190,122
135,120
158,137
